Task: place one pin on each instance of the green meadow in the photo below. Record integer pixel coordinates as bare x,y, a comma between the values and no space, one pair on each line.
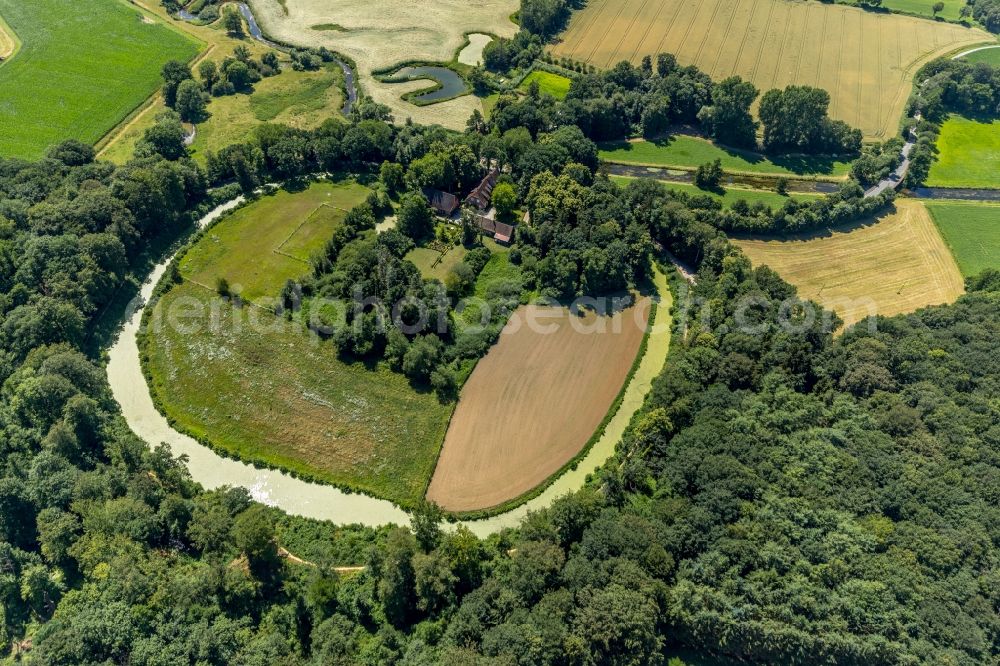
989,56
261,246
267,391
729,195
688,152
79,76
951,11
972,232
548,83
968,154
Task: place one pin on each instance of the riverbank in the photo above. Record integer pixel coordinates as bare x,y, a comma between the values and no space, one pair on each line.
323,502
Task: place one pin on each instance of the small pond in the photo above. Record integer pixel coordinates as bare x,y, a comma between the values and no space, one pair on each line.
451,83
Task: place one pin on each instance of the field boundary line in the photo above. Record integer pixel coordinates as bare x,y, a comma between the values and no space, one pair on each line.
303,223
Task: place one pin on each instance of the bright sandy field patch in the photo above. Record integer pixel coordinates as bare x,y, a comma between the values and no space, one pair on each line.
894,264
379,34
533,403
473,53
8,43
866,60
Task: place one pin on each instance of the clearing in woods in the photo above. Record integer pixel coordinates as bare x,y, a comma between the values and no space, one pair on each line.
972,231
549,83
865,60
379,35
534,402
261,246
892,264
98,62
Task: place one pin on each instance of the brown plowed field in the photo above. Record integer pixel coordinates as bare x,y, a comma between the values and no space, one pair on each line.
533,403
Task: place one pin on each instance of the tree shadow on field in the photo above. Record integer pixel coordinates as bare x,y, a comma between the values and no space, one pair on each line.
825,232
798,163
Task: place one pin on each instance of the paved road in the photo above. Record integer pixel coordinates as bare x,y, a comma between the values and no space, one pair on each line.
895,179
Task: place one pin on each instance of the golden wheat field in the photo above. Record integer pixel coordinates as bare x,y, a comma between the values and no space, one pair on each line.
378,34
894,264
865,60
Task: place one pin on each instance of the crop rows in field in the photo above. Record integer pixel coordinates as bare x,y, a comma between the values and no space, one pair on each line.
865,60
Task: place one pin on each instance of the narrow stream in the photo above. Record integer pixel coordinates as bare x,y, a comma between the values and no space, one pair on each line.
349,83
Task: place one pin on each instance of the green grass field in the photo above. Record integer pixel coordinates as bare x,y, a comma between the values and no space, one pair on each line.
261,246
298,99
968,155
688,152
925,7
972,232
548,83
267,391
83,66
731,194
435,265
989,56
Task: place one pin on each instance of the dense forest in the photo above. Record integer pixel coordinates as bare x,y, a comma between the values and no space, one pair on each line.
785,496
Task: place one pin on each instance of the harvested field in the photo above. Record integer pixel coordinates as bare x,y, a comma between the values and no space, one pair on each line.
893,264
866,60
382,33
473,53
534,402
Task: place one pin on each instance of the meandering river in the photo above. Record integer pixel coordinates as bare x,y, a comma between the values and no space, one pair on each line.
313,500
